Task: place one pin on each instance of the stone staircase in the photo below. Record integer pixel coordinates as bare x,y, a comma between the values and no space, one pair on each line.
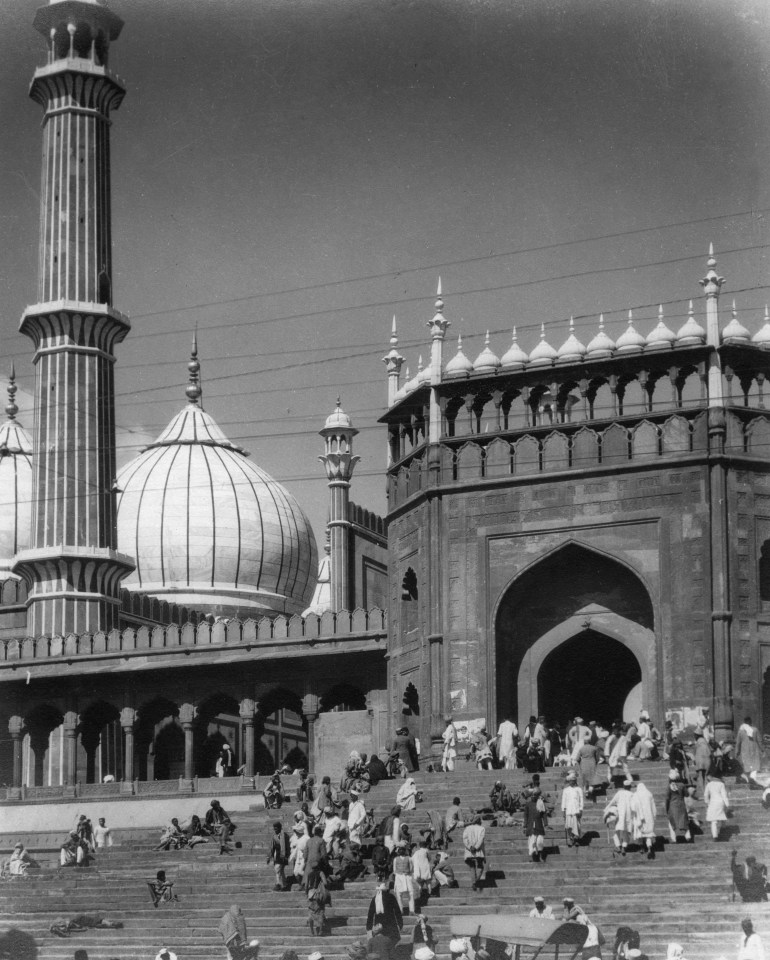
684,894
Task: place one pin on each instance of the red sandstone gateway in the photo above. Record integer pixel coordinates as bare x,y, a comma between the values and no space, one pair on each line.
534,936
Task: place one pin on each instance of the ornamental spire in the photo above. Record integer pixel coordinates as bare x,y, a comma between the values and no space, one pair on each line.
194,391
438,325
711,283
11,408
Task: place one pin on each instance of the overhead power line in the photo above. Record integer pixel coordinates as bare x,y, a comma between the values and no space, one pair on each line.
399,272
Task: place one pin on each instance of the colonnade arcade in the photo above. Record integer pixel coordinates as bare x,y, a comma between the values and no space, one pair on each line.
162,738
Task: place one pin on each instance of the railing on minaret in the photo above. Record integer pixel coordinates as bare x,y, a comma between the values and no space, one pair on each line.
721,615
72,568
339,461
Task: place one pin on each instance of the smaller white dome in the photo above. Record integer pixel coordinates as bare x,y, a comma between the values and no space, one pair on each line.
601,346
338,418
459,365
762,336
630,341
514,357
572,350
735,332
544,354
691,333
486,361
660,337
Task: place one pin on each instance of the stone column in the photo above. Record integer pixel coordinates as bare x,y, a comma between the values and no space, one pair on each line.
128,718
721,614
310,707
187,714
15,727
247,710
69,759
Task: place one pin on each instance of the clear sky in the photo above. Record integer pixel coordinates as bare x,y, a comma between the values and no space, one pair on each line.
288,174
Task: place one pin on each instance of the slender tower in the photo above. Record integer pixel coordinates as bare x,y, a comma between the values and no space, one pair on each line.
72,567
339,461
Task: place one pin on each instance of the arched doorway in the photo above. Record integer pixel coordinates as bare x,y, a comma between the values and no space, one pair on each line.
284,734
564,620
590,675
101,740
218,722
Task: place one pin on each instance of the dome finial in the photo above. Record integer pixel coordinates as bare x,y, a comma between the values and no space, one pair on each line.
11,408
393,334
193,391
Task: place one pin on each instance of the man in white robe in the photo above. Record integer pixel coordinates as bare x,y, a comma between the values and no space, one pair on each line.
356,818
572,807
507,736
643,809
620,811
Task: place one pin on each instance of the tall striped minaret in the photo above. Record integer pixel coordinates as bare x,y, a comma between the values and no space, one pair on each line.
72,567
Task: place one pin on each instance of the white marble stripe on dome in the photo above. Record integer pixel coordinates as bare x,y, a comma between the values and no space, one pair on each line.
239,537
161,526
241,463
214,531
144,468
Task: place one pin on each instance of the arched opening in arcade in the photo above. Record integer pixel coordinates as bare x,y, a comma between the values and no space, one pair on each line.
217,726
575,635
101,743
284,734
159,741
42,747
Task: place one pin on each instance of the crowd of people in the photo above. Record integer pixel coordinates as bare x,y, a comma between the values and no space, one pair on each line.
334,838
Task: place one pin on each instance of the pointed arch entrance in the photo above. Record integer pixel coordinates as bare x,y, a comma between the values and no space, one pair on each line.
600,692
574,633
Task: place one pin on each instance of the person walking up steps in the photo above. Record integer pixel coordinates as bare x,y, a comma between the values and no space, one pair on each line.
475,854
618,815
717,804
535,821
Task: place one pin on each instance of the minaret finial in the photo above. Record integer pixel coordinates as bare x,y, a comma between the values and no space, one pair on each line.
193,390
711,283
601,323
572,325
542,331
393,334
11,408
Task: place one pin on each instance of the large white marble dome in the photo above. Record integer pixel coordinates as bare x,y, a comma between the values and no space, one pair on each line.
208,528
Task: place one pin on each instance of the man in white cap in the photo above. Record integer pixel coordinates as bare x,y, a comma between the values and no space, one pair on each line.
619,811
541,910
578,733
458,948
315,955
356,817
424,953
572,807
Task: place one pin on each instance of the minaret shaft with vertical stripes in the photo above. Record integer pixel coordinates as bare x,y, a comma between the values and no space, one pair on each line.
72,567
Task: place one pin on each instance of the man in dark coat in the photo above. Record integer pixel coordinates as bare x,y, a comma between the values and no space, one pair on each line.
405,746
385,912
535,820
